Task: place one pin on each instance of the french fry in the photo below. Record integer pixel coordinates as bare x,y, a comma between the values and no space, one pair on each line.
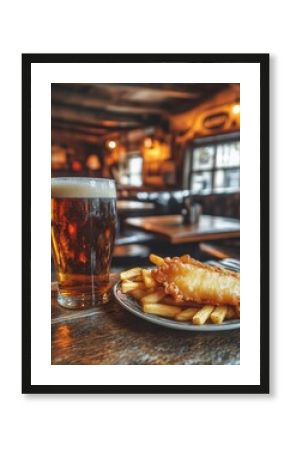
186,314
128,286
131,273
139,293
161,310
218,314
138,278
202,315
157,260
154,297
147,278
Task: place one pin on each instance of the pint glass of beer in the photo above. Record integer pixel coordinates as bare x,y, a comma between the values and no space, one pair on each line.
83,224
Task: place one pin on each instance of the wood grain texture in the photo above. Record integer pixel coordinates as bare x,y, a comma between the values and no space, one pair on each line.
110,335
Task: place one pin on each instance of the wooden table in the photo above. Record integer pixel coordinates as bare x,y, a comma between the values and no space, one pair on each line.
109,334
172,228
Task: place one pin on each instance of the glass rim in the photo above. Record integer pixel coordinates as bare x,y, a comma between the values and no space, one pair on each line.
83,187
82,179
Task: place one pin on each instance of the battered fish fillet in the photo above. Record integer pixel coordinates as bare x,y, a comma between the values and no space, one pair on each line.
188,280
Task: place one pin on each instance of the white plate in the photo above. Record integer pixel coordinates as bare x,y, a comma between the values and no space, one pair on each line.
132,305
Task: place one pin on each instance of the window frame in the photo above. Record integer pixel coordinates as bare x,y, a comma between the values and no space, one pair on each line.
205,142
129,173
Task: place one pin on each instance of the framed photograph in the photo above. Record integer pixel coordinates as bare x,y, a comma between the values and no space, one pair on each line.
145,246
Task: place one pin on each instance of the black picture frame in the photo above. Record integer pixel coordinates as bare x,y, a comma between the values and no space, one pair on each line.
263,61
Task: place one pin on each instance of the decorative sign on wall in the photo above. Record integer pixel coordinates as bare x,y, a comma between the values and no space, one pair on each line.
214,121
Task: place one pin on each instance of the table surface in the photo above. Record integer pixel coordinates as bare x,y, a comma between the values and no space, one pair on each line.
108,334
172,228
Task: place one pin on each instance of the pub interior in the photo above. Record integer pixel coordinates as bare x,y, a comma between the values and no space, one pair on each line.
173,150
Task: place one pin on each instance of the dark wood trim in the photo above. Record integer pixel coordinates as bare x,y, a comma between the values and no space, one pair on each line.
104,114
76,123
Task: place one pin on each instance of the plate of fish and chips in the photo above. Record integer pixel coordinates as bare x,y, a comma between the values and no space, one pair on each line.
183,293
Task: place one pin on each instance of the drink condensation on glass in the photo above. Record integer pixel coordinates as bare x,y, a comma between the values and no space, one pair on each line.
83,225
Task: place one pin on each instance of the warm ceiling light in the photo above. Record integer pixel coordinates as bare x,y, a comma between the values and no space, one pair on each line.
76,166
112,145
236,109
93,162
148,142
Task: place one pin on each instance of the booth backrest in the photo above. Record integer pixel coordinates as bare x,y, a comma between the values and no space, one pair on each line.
171,202
225,205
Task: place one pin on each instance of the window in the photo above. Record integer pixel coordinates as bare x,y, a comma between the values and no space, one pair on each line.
215,165
131,173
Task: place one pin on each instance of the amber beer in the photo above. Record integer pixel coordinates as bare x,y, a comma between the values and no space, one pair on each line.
83,224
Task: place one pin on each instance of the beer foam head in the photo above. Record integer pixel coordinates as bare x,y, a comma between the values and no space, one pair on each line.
83,188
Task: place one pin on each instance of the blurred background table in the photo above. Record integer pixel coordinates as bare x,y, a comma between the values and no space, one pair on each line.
172,228
109,334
